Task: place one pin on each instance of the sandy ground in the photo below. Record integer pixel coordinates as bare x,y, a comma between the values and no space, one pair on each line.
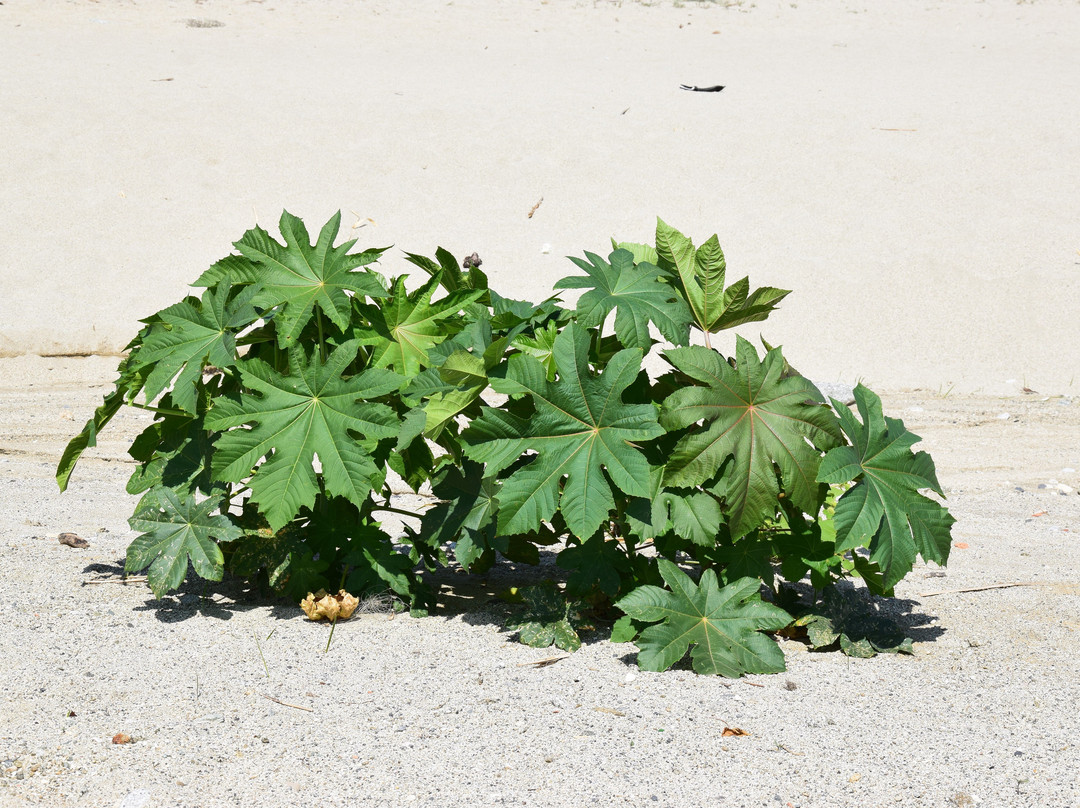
910,170
446,710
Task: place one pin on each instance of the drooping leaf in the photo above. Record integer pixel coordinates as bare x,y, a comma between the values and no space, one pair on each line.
466,512
723,625
548,618
312,411
176,531
581,426
406,326
862,629
174,452
185,337
701,274
885,510
127,387
757,418
636,292
299,277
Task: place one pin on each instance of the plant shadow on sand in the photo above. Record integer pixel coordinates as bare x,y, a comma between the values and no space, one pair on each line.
480,600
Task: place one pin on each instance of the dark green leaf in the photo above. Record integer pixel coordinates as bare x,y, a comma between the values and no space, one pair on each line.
638,294
548,618
760,420
862,629
884,509
185,337
596,563
311,411
723,625
175,531
581,426
299,277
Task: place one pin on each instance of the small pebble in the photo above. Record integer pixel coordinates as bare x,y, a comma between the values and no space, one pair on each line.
1004,416
545,249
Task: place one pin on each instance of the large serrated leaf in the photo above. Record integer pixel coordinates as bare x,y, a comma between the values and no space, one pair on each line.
183,338
296,417
759,419
299,277
581,427
176,531
636,292
884,509
723,625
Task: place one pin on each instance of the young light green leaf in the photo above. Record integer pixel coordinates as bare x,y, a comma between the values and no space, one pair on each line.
884,507
581,426
638,294
407,326
184,337
757,418
723,624
299,277
700,274
293,418
541,345
176,531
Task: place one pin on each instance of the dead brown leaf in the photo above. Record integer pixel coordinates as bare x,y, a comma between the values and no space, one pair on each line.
320,604
73,540
734,732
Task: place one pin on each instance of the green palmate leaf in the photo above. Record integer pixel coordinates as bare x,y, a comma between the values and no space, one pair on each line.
701,273
299,277
548,618
176,531
468,375
862,629
581,426
723,624
762,421
405,327
293,418
884,508
637,292
695,516
183,338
